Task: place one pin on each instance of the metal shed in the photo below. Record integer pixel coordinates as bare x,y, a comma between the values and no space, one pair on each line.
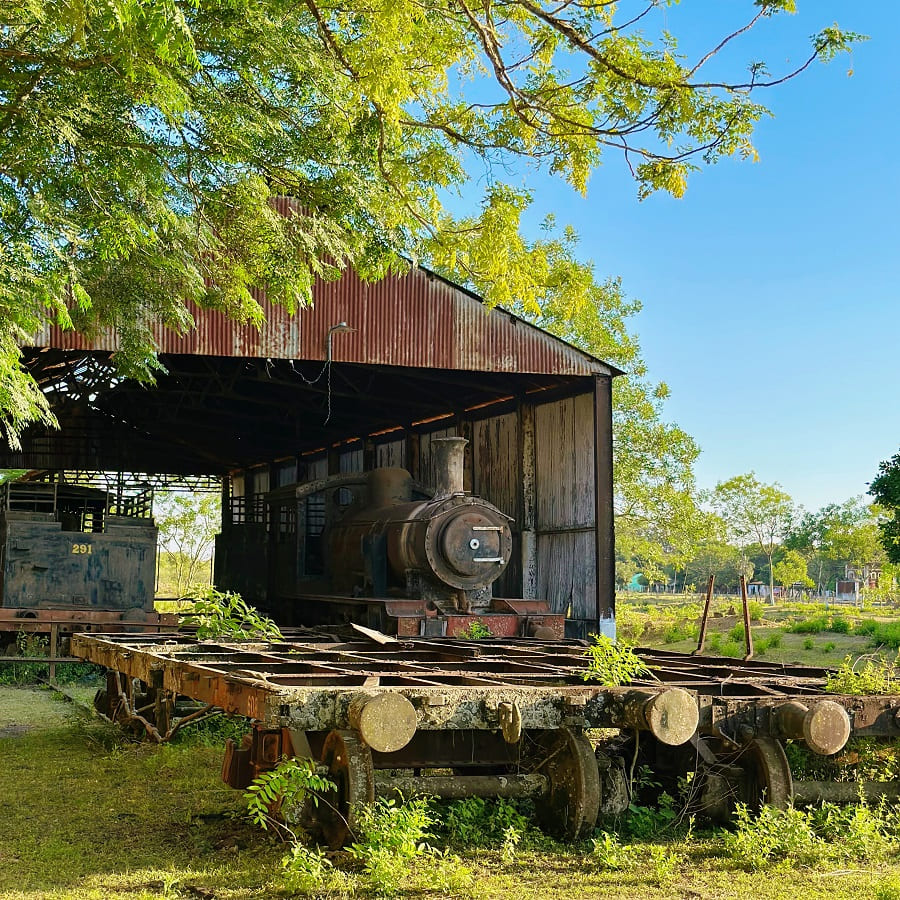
366,377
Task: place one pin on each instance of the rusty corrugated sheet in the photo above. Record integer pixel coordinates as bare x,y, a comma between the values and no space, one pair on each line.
412,320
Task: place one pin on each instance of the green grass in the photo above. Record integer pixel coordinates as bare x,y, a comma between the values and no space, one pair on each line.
87,817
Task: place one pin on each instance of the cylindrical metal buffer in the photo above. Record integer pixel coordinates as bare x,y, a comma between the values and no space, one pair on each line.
823,726
458,787
671,715
448,455
386,722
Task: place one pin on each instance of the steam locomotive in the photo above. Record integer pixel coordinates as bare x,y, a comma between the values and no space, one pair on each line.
379,549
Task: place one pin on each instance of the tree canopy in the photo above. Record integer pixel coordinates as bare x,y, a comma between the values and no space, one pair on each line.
885,489
142,141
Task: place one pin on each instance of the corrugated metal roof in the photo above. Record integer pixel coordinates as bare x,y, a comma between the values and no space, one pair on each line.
414,320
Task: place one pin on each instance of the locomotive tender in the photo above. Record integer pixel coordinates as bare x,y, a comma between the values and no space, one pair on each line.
74,558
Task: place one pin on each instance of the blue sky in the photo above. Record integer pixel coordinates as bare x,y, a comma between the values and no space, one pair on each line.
770,289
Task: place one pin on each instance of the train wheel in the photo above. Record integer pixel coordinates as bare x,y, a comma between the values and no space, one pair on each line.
767,774
349,765
757,774
572,803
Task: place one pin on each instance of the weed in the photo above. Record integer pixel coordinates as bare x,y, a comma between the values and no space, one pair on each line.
308,870
774,640
665,863
732,648
389,838
867,675
477,822
643,822
757,610
829,647
808,644
512,837
284,788
714,644
216,614
477,631
812,625
772,836
610,855
840,625
736,634
612,664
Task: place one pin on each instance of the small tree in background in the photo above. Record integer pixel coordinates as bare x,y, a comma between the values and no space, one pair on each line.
757,512
188,524
791,569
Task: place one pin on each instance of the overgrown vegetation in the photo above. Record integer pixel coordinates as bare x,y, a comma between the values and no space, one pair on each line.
195,839
218,614
612,664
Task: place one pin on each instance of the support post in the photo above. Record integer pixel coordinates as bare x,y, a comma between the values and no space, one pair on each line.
528,486
748,635
705,620
603,501
54,651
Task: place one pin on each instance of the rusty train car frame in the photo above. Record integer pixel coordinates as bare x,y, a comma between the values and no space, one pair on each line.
506,717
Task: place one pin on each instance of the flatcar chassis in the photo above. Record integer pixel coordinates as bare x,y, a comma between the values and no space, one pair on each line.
495,717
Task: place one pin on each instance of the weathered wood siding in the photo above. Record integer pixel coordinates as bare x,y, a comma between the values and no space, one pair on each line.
565,507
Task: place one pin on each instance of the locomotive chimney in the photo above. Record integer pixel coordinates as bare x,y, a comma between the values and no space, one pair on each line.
447,456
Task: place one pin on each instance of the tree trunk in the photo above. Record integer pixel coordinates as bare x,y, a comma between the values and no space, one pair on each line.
771,581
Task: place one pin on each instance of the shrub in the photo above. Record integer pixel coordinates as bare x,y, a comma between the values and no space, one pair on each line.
840,625
477,631
477,822
612,664
812,625
757,610
225,615
773,835
389,837
808,644
831,645
732,648
737,633
774,640
867,675
865,627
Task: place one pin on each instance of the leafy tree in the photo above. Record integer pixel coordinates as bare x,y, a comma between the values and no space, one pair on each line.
11,474
838,535
885,489
142,142
715,557
791,569
754,511
187,525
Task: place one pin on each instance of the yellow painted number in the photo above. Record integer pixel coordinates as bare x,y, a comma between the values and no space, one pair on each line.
82,548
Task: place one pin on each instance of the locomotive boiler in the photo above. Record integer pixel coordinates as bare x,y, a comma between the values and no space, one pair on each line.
380,549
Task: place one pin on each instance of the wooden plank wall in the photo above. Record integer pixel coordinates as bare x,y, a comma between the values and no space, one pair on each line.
565,509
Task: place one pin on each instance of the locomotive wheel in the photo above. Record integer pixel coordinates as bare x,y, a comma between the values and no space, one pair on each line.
350,768
572,803
767,777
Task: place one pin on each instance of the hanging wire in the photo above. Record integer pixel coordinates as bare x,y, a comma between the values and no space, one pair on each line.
340,327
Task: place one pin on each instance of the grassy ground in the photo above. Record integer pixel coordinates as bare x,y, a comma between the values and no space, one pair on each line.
803,633
87,816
